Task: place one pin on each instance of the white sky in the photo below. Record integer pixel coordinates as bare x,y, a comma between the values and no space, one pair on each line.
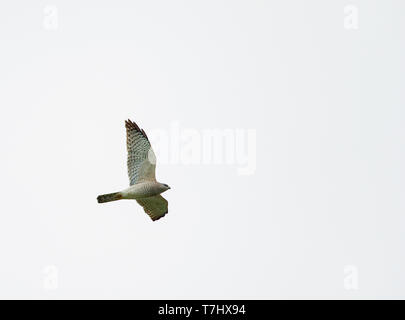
327,106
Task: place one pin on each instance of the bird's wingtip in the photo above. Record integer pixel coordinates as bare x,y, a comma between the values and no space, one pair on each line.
131,125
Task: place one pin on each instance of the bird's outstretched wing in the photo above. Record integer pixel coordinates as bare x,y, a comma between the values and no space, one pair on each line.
155,207
141,158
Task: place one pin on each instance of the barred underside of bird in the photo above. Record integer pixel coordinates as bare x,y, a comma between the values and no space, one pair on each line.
141,171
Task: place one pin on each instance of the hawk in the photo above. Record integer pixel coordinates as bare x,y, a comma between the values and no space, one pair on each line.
141,171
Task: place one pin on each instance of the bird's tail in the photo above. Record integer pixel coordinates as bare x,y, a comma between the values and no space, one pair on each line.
109,197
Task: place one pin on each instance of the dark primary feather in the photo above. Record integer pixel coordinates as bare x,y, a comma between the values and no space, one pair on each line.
130,125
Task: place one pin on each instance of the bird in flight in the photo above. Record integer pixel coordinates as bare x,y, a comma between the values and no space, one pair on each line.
143,186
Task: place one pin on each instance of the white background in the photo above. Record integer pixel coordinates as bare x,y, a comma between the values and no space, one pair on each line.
327,104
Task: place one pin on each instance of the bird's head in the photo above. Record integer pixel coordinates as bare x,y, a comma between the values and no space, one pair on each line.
164,187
